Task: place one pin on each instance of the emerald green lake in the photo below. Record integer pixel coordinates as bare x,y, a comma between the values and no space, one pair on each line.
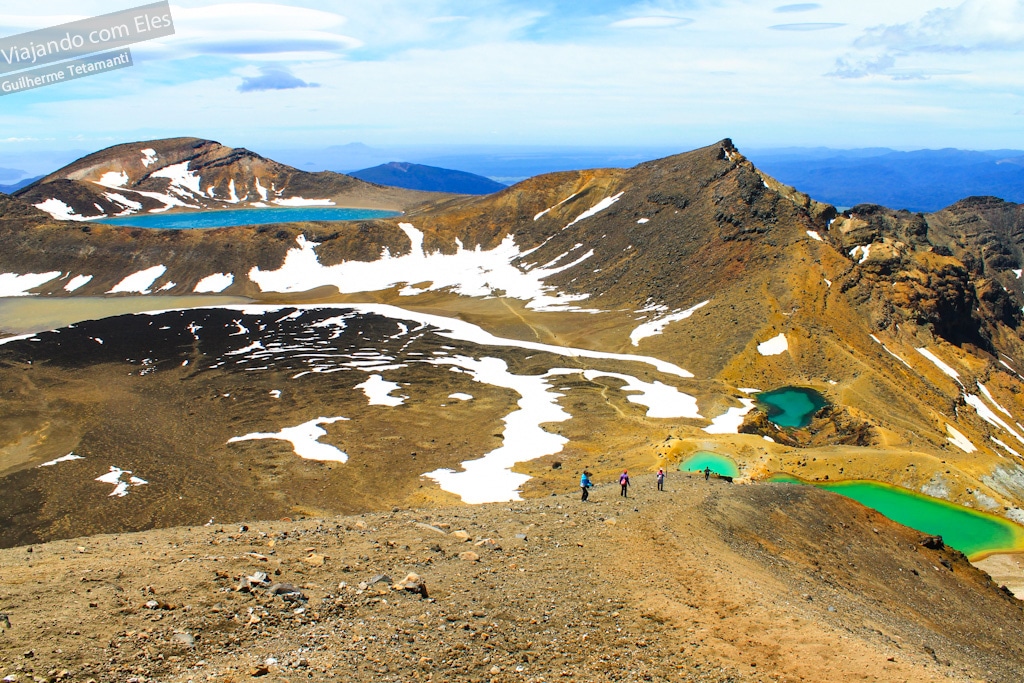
791,406
973,533
719,464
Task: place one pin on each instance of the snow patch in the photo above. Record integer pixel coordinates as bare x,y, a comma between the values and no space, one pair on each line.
121,486
114,179
123,201
59,210
304,439
813,234
475,273
64,458
139,282
299,201
959,440
986,414
655,327
940,364
148,157
459,396
542,213
214,284
490,478
378,390
662,400
183,181
730,421
864,251
596,208
1013,452
18,285
641,221
77,282
774,346
988,395
887,350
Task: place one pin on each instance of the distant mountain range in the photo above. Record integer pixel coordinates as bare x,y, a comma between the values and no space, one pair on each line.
427,178
923,180
14,187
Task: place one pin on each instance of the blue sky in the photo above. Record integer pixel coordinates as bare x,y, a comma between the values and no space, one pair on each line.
305,74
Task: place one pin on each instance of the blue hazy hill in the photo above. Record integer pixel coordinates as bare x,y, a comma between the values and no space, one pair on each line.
923,180
429,178
10,189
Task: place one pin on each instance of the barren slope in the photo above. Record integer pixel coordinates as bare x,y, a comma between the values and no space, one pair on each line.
704,582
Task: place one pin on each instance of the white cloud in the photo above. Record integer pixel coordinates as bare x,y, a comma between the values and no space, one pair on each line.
807,26
973,25
652,22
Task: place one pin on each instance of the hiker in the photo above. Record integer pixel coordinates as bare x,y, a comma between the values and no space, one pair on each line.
624,482
586,485
707,473
661,479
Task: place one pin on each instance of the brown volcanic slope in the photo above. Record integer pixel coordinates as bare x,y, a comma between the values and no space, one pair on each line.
703,582
701,226
181,173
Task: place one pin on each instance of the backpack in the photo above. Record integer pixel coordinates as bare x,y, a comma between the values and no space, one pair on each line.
624,479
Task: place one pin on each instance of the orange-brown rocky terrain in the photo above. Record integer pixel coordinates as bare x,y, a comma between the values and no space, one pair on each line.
706,581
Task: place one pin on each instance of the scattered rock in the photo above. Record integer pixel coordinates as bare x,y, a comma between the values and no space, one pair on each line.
933,542
5,620
413,583
430,527
469,556
610,521
462,535
186,639
261,670
488,543
315,560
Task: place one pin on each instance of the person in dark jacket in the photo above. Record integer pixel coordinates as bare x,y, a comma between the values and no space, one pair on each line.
624,482
661,479
707,473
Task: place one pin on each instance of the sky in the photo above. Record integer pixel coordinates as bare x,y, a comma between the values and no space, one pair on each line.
307,74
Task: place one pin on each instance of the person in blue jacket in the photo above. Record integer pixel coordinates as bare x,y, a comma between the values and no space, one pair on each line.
585,484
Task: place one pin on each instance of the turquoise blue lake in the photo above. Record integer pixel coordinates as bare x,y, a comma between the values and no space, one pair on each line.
972,532
791,407
232,217
719,464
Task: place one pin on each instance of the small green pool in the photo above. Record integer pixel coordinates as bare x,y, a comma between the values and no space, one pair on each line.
791,406
719,464
973,533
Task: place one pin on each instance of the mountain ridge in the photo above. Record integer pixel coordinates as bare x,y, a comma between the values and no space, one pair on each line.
191,173
428,178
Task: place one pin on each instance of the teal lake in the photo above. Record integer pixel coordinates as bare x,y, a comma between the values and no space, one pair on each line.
232,217
719,464
791,407
972,532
